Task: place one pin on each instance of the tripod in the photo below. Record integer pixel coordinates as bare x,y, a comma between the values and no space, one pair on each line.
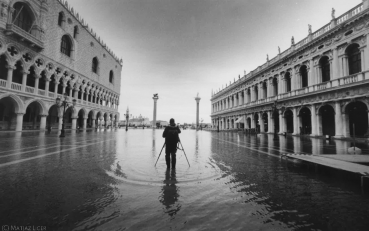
177,148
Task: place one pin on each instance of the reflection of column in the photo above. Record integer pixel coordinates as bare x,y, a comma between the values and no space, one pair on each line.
296,145
319,125
43,122
281,122
338,119
313,120
345,125
317,144
341,147
19,125
261,122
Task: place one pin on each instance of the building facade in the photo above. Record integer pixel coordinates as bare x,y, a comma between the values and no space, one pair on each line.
319,86
46,51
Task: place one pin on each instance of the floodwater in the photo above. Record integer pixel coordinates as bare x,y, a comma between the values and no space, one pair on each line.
106,180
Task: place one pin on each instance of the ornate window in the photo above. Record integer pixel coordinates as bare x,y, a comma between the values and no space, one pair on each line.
61,19
111,76
66,46
75,32
22,16
95,65
326,72
354,59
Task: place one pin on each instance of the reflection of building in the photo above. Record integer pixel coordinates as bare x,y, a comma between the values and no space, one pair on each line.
46,50
320,84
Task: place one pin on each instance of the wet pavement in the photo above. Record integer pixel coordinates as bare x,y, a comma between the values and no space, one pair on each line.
106,180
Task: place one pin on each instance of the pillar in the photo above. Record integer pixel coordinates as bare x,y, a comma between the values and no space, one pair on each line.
64,86
313,121
281,122
93,123
56,89
362,59
47,87
197,110
75,93
84,126
270,123
261,121
311,74
19,125
43,122
24,80
60,122
37,80
74,123
335,64
155,98
295,122
338,119
10,76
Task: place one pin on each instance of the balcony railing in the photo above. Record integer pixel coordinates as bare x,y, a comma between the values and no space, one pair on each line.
41,92
30,89
17,86
3,83
12,29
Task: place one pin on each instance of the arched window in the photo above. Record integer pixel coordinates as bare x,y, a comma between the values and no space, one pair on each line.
75,32
326,72
354,59
288,81
22,16
304,76
95,65
66,45
61,19
111,76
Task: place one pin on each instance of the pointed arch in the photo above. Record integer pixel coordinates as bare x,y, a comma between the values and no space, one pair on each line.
42,105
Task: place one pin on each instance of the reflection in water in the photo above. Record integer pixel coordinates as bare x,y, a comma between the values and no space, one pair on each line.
170,194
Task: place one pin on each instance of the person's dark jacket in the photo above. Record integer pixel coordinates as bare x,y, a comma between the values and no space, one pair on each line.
171,137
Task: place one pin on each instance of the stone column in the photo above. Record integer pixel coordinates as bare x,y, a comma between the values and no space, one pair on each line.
43,122
362,59
253,93
74,123
319,125
93,123
311,74
75,93
338,120
261,121
197,110
60,122
270,123
19,125
345,125
335,65
281,122
56,89
84,126
10,76
64,86
37,80
295,122
24,80
313,121
47,87
155,98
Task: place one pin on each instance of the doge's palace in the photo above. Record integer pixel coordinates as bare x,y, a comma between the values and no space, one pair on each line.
319,86
48,51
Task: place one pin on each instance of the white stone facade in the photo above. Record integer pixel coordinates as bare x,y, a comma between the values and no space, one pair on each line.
320,85
47,50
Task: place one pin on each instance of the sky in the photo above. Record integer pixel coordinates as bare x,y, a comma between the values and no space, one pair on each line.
181,48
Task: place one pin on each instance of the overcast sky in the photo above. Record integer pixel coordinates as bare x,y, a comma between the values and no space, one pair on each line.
178,48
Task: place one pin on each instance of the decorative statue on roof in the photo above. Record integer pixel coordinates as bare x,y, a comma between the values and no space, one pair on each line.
333,11
244,71
239,76
309,28
279,50
292,41
267,58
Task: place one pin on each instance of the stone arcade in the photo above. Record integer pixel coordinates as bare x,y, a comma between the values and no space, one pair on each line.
320,84
46,50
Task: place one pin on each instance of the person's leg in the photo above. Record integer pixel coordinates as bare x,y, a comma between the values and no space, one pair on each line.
167,159
173,159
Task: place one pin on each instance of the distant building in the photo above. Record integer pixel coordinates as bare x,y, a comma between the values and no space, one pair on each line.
160,123
138,121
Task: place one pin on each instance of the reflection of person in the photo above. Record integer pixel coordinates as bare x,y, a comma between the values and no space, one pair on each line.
169,193
171,139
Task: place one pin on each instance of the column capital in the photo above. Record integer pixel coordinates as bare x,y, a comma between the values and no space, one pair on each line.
10,67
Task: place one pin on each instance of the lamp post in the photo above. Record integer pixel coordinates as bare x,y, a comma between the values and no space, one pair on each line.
127,115
274,111
65,104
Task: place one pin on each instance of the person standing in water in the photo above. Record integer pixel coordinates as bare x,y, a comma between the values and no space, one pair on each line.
171,140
